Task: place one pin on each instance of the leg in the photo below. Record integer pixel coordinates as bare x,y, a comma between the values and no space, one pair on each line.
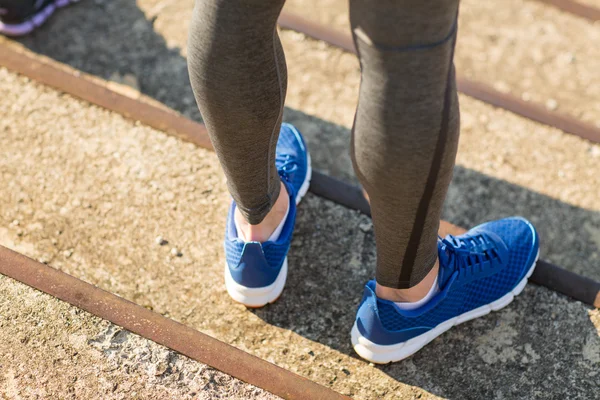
405,141
406,129
238,73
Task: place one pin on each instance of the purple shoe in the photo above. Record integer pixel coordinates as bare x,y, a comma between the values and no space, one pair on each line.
20,17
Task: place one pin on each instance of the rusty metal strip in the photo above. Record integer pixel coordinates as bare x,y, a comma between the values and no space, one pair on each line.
566,282
317,31
533,111
145,110
162,330
576,8
477,90
118,98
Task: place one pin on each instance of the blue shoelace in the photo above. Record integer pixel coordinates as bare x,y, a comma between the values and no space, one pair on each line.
285,166
467,254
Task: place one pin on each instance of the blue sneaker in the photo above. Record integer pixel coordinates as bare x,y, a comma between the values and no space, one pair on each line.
255,273
292,160
480,271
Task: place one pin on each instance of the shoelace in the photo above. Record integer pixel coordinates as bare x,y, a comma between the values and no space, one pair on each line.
285,166
468,253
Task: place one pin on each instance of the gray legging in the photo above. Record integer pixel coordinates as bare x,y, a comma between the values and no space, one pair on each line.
406,127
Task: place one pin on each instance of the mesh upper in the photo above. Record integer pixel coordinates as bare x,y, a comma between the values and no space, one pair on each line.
290,143
274,253
518,236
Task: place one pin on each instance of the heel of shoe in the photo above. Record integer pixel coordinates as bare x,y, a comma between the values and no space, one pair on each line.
253,282
368,328
373,342
256,297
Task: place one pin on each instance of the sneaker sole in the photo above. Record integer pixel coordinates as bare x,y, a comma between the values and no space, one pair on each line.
306,184
35,21
383,354
256,297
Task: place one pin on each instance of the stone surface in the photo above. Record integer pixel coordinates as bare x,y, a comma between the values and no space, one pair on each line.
507,165
91,191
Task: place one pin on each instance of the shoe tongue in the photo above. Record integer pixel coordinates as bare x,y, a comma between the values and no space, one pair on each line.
291,191
445,267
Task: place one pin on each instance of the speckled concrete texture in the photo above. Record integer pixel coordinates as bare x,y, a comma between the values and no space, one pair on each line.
89,192
506,164
592,3
50,350
520,46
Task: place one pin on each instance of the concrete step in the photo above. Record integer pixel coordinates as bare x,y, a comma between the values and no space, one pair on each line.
49,349
88,192
506,164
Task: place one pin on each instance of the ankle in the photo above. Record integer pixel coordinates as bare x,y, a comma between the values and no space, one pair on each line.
262,231
412,294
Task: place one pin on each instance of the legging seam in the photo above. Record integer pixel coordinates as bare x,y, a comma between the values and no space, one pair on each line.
423,208
360,34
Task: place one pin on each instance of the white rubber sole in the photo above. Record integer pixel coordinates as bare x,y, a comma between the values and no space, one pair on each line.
256,297
306,184
260,297
383,354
